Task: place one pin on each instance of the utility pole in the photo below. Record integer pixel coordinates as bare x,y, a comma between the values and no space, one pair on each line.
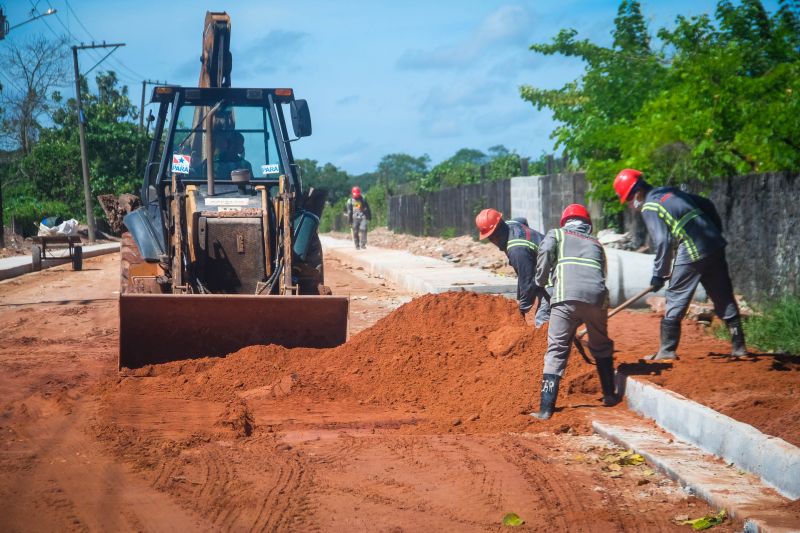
145,83
87,190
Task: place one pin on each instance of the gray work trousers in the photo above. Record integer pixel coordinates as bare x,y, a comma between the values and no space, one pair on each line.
565,317
712,272
360,231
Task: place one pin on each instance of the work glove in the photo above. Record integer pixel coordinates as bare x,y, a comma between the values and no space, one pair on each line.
657,282
529,315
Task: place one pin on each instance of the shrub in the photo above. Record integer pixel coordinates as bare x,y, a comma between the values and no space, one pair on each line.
776,328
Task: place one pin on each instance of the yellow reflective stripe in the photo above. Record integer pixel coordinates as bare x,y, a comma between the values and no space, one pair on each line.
559,266
676,227
694,213
578,263
585,261
521,242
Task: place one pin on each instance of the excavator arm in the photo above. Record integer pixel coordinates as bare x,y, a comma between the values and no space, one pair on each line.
216,59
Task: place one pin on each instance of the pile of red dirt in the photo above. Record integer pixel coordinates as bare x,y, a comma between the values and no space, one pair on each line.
762,389
459,360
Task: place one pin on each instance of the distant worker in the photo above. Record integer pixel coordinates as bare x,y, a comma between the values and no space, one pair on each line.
358,214
690,222
521,245
576,262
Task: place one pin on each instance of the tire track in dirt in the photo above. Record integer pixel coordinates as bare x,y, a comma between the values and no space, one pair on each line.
567,502
272,510
73,479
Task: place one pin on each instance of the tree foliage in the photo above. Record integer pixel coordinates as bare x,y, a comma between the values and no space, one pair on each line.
718,97
51,171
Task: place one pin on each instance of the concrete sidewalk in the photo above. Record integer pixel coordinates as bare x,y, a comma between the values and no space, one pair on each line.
11,267
418,274
628,272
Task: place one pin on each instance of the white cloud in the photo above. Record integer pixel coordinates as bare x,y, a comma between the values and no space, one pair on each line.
277,50
507,26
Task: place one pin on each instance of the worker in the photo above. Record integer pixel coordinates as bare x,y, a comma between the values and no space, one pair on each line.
236,152
576,262
358,214
521,245
690,222
229,154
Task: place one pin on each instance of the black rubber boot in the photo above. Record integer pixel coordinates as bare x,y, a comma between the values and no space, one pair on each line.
605,370
670,336
547,403
738,347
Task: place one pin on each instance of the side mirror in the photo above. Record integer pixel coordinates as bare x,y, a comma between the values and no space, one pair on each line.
301,118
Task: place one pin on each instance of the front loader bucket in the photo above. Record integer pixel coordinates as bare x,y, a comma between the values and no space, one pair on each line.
158,328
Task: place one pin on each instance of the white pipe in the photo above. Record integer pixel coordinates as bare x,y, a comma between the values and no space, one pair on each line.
629,273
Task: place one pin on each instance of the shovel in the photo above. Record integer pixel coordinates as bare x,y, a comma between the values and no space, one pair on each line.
627,303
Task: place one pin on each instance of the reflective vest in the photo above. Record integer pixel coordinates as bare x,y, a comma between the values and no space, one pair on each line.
578,263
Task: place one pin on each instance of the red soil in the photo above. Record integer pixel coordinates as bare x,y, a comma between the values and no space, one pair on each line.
468,361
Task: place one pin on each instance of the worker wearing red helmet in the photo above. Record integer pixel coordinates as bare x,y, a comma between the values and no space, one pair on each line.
521,245
691,223
358,215
576,262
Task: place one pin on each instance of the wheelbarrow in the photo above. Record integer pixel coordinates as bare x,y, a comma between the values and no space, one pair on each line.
51,248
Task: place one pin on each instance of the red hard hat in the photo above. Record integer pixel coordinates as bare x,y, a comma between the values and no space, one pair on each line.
487,221
625,182
575,210
356,191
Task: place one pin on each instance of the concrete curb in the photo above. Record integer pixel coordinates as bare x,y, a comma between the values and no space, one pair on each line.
774,460
12,267
741,494
418,274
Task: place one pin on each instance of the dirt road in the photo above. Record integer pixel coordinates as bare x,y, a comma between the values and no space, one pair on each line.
301,440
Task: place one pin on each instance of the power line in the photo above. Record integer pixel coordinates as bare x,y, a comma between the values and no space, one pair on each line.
114,60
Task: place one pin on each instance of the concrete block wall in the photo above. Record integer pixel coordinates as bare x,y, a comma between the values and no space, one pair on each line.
761,220
526,200
542,199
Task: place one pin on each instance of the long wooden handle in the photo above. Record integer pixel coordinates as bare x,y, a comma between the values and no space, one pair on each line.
622,306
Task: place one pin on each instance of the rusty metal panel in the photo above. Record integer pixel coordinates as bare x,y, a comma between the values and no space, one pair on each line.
158,328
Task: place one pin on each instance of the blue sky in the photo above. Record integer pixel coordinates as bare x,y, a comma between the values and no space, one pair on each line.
419,77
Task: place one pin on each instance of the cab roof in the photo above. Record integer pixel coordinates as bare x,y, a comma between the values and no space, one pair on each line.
211,95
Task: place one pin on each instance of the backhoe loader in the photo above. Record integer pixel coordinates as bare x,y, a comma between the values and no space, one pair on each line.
224,252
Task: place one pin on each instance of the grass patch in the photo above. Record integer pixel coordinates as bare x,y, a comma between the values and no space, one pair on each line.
776,328
448,233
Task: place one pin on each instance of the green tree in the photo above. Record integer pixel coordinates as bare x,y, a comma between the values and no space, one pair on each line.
51,172
336,181
725,102
401,168
595,110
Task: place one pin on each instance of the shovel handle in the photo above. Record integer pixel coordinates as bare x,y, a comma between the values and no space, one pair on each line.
622,306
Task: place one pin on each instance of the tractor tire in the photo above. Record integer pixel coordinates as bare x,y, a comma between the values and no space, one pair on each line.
311,274
130,257
77,258
36,258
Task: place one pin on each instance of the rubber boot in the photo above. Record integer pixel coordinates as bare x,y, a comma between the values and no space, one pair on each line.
670,336
738,347
547,402
605,370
